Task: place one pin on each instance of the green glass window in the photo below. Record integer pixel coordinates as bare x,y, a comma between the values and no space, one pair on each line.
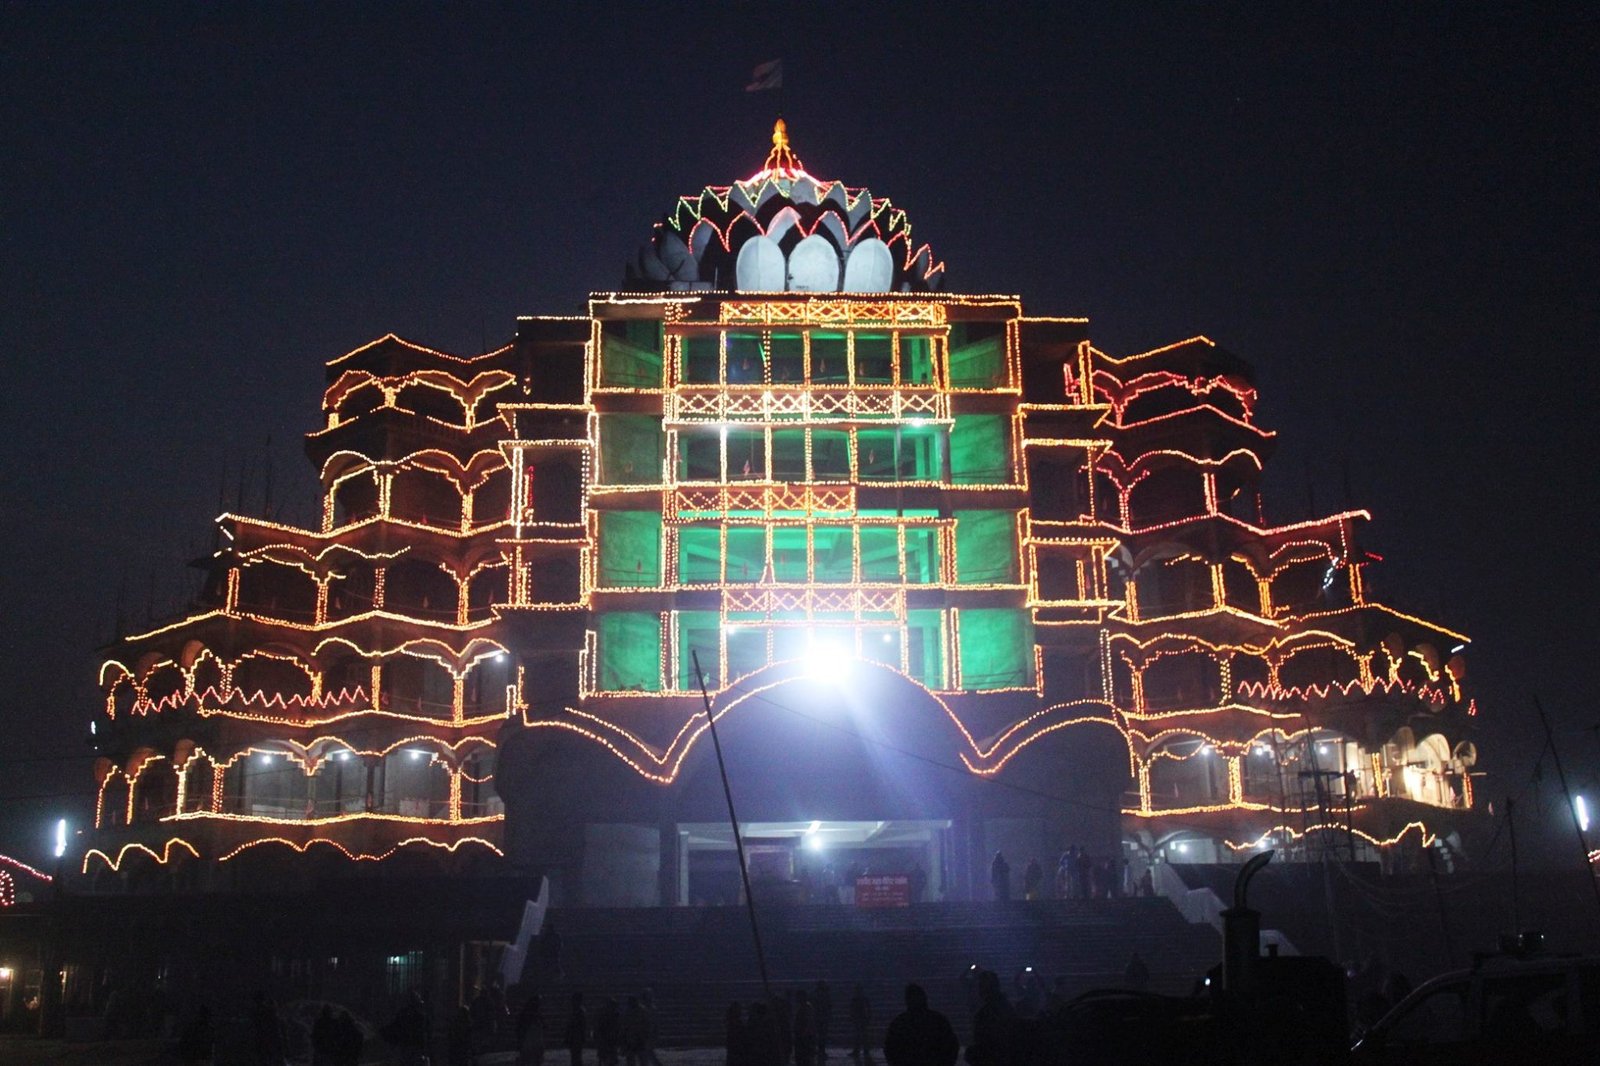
788,455
747,554
746,359
702,357
977,355
699,556
919,453
986,547
628,644
881,646
699,453
630,449
924,652
880,553
996,648
980,450
830,359
630,549
747,650
922,555
874,358
789,555
630,353
699,631
830,455
833,554
875,454
747,455
790,642
788,357
916,359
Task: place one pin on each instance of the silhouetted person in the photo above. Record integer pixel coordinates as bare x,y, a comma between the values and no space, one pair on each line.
733,1039
632,1031
1137,975
994,1026
761,1036
550,950
195,1044
1000,877
458,1038
577,1031
647,1039
347,1039
324,1039
805,1030
1085,873
265,1032
530,1033
607,1032
1032,879
783,1021
919,1036
919,883
860,1026
1147,883
822,1007
408,1030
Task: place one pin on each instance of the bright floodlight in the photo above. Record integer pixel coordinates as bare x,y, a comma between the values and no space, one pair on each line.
1581,806
814,841
61,837
827,658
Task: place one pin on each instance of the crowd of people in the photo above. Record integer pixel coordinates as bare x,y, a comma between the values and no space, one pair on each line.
1078,875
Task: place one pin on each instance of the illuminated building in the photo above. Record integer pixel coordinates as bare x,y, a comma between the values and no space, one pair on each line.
958,582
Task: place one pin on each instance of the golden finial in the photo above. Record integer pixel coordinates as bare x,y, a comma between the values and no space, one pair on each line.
781,158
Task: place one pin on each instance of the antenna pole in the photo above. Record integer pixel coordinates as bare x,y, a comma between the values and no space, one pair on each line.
733,821
1561,774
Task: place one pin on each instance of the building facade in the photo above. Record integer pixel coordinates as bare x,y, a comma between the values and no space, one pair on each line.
951,580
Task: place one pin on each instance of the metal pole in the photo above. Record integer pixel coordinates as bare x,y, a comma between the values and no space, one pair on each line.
1583,846
733,820
1511,824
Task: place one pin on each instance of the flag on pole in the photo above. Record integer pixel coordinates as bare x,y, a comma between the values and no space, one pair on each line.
768,75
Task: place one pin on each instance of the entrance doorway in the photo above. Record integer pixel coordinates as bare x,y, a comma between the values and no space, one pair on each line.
815,862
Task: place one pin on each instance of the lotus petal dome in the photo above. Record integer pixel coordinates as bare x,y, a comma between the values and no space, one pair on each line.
784,230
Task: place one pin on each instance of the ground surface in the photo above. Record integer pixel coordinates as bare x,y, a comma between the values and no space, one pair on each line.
29,1051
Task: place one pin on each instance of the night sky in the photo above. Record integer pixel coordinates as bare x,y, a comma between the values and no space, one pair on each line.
1389,210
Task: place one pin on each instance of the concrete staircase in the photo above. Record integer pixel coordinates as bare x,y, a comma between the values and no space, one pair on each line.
698,960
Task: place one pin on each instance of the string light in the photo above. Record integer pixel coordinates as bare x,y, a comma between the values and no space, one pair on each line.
866,376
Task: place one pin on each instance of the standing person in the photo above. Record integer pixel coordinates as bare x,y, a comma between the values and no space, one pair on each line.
734,1036
550,950
265,1031
919,1036
994,1026
409,1030
1073,861
324,1041
783,1021
1000,877
647,1043
822,1007
1063,878
1137,975
530,1033
805,1030
1085,873
919,883
577,1031
1032,879
348,1038
632,1031
607,1032
458,1038
761,1035
860,1026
